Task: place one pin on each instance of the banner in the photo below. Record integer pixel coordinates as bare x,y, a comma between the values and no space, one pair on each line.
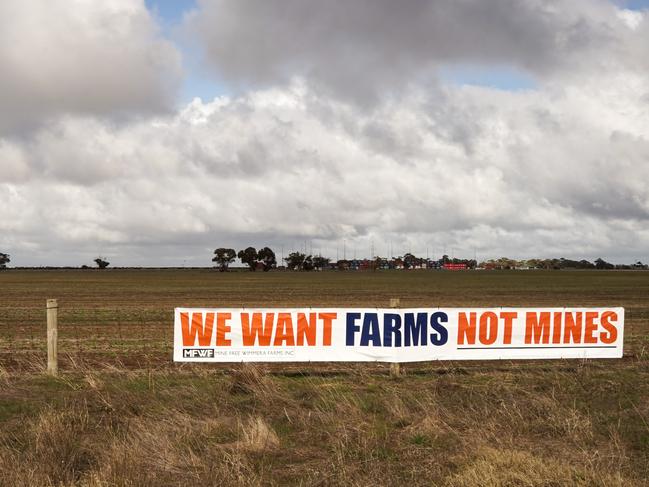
395,335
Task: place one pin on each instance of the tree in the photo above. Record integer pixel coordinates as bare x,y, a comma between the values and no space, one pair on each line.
534,263
343,265
101,263
507,263
224,257
267,257
249,257
295,261
320,262
409,261
4,260
602,264
550,264
308,265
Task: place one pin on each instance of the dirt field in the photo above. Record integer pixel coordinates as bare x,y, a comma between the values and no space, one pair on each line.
122,414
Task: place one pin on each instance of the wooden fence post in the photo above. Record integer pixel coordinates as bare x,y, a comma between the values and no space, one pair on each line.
52,336
395,367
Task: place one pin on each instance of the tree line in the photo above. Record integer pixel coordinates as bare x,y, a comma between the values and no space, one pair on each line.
99,261
264,259
557,264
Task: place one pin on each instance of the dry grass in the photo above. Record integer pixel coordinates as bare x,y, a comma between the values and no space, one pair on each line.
122,415
254,428
499,468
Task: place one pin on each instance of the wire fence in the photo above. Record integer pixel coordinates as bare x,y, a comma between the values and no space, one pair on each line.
100,336
139,338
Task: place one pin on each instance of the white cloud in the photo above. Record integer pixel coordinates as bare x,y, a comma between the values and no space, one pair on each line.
632,18
529,174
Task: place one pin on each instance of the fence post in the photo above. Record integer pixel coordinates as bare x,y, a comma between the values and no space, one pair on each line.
52,336
395,367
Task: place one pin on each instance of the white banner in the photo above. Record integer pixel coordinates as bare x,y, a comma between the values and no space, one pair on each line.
395,335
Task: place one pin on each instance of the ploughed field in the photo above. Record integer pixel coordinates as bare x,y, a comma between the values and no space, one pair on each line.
122,413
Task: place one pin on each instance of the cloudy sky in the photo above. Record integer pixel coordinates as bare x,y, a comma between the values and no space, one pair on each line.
153,132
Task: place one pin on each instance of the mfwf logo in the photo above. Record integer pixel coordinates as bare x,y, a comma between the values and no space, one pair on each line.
198,353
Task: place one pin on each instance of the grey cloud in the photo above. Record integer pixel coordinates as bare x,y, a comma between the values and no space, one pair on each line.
367,50
76,57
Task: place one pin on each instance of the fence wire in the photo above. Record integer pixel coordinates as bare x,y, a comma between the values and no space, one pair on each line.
139,338
130,337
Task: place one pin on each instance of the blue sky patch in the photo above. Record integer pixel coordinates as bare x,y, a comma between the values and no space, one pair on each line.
198,82
499,77
170,11
636,4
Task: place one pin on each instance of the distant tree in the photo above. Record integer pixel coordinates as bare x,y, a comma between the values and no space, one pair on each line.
101,263
4,260
249,257
295,261
551,264
506,263
343,265
602,264
564,263
308,264
378,263
502,263
534,263
320,262
267,257
409,261
584,264
224,257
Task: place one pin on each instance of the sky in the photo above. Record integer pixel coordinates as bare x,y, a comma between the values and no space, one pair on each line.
152,132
